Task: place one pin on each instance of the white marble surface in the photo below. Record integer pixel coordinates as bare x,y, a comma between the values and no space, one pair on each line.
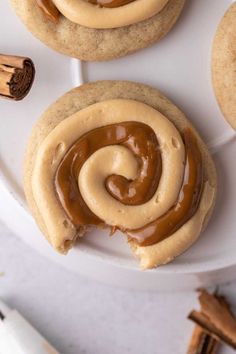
81,316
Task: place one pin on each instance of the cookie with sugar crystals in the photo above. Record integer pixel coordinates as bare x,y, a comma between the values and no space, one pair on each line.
98,29
119,155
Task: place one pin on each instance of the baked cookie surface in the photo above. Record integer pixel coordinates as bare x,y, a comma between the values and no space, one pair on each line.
106,106
224,65
92,44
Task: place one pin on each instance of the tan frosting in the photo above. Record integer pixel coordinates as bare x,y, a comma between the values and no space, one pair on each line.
90,180
140,139
92,16
166,250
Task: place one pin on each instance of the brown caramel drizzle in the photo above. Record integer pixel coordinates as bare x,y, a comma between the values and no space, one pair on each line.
186,205
49,10
110,3
137,137
142,141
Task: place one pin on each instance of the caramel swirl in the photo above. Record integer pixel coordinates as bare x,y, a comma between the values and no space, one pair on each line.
110,3
141,140
137,137
186,205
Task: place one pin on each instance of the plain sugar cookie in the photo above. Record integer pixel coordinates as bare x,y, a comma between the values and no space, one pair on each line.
119,155
224,65
92,44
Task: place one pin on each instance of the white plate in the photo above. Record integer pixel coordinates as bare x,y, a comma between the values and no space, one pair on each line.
179,66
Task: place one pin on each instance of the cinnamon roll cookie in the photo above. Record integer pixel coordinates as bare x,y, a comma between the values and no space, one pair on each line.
224,65
121,156
98,29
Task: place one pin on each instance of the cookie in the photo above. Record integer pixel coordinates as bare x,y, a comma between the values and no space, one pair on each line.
119,155
224,65
91,44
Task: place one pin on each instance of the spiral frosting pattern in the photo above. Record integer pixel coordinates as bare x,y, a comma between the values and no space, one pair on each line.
122,164
102,14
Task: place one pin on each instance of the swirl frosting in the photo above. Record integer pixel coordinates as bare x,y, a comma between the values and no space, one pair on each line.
122,164
137,137
101,14
142,142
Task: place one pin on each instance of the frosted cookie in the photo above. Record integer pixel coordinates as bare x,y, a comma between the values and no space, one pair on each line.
224,65
119,155
98,29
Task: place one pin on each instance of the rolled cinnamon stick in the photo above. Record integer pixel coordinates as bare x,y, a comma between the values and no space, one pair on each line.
216,318
202,343
16,76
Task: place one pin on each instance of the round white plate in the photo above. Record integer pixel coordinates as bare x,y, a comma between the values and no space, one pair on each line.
180,67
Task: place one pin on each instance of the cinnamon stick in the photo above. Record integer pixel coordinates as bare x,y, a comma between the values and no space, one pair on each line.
216,318
16,76
202,343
